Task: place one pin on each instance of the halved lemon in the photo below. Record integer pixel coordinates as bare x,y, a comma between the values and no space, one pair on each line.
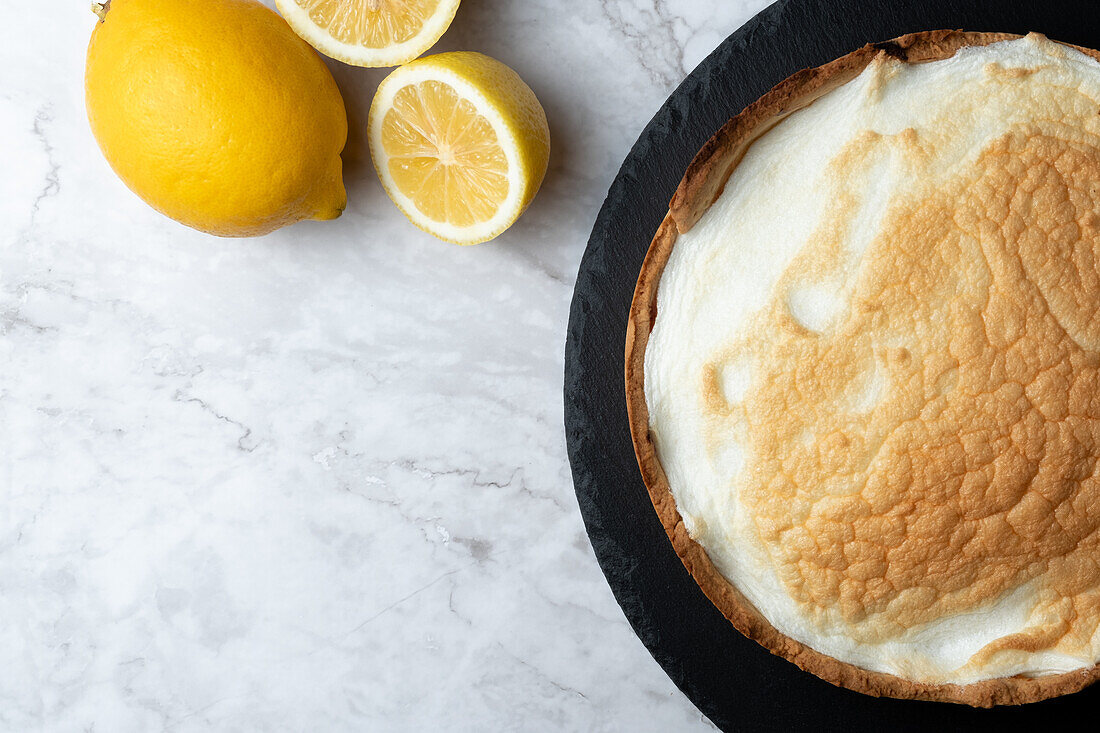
461,144
370,32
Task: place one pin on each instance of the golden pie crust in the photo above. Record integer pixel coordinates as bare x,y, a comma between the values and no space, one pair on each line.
701,186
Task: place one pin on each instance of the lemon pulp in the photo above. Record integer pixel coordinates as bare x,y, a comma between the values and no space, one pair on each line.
375,23
444,155
370,32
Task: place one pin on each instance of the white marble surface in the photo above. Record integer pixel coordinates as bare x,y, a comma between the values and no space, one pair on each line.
314,481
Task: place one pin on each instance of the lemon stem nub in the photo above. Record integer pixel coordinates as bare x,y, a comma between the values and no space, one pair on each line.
101,9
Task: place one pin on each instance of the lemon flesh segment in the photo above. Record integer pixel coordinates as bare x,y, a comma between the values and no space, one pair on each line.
460,144
375,25
444,156
370,32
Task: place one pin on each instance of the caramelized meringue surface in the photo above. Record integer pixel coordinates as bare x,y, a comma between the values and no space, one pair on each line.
873,381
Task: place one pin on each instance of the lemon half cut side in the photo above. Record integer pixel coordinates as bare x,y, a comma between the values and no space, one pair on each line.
370,32
460,143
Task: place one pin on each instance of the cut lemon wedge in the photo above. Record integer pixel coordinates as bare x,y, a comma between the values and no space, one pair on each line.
370,32
460,143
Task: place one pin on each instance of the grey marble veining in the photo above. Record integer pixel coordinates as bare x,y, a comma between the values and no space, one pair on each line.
314,481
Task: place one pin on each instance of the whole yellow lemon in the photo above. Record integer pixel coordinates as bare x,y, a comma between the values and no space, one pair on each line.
216,114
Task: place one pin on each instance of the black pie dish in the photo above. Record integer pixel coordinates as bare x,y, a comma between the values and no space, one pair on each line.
736,683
